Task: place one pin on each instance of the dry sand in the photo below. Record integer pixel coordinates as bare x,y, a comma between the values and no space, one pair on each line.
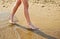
44,14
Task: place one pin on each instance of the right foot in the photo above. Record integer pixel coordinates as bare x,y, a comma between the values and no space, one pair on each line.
32,26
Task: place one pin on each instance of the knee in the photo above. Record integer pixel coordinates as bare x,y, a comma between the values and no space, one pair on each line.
26,4
18,1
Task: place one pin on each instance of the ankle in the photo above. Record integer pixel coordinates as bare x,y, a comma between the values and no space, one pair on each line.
30,23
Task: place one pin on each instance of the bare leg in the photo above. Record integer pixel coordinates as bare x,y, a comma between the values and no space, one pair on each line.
26,13
18,2
3,1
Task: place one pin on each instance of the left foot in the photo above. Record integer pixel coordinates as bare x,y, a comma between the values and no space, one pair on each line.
11,22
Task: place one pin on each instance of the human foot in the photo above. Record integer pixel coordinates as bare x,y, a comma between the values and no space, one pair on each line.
11,22
32,26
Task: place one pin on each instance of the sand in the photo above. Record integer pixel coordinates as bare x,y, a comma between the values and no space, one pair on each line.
44,14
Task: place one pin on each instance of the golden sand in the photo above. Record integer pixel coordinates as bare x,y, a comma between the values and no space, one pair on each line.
43,14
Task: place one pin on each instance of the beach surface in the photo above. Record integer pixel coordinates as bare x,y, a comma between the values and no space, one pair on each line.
44,14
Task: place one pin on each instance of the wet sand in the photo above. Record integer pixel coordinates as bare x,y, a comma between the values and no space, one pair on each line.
46,16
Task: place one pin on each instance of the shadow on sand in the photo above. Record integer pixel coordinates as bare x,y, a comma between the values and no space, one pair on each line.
36,31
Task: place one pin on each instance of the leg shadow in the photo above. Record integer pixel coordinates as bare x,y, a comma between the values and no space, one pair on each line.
38,32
